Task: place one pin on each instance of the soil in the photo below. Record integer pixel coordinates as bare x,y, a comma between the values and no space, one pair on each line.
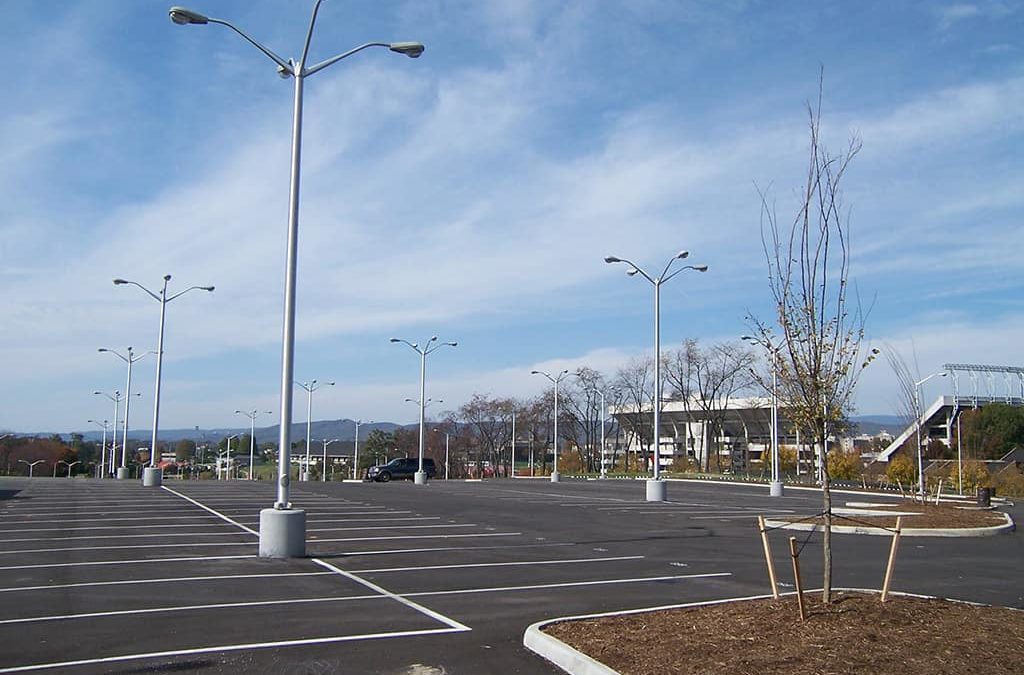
856,634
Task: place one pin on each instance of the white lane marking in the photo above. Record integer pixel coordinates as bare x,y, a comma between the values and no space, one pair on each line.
424,536
207,508
444,548
394,527
117,548
127,582
559,495
188,608
229,648
93,519
398,598
108,527
94,537
127,562
571,584
368,520
496,564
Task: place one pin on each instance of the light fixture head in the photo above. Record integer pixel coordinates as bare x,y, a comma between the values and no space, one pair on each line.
633,272
118,282
612,259
183,17
394,340
452,344
701,268
410,49
102,349
208,289
167,277
532,372
682,254
747,337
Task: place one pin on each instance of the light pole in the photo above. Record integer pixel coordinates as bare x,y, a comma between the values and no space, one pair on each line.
116,398
31,465
920,413
554,380
309,388
323,476
151,475
130,358
430,346
69,465
252,415
103,448
656,491
775,489
512,454
283,529
355,458
227,453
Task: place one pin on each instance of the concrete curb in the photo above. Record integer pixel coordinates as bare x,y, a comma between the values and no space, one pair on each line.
576,662
1008,526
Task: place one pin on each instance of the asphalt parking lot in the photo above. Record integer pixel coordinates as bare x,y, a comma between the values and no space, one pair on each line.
110,577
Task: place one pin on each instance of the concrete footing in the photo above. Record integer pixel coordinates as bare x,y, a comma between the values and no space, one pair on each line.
420,478
657,490
775,488
152,476
122,473
282,533
555,477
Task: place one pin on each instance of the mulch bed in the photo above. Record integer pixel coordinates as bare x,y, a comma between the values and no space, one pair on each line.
855,635
928,516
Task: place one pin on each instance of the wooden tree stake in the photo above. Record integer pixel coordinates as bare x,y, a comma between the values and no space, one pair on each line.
796,578
892,557
768,557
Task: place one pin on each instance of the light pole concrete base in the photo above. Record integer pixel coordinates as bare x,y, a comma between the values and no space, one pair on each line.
420,478
555,478
775,488
152,476
305,476
122,473
282,533
657,490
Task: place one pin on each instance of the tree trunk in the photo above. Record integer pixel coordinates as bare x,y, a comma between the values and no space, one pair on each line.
826,541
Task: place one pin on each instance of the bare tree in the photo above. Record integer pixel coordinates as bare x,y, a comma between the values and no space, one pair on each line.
635,381
906,404
719,372
819,331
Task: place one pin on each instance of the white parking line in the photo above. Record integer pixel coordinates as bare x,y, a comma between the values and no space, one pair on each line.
130,546
398,598
228,648
93,537
207,508
423,536
570,584
127,582
568,561
390,527
109,527
91,563
448,548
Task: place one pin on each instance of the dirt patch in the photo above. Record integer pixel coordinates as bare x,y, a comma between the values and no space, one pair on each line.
857,634
926,516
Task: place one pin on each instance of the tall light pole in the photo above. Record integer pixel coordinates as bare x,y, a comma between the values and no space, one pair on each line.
128,358
227,456
429,346
152,475
355,458
103,451
323,476
656,491
920,413
283,529
116,398
775,489
31,465
69,464
512,454
252,415
309,388
554,380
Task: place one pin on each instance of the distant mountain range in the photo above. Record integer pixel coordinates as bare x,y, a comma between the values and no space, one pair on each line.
343,430
872,425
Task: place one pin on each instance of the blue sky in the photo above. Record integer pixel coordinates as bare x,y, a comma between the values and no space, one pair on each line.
473,193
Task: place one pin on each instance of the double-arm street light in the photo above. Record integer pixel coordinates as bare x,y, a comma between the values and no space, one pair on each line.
283,529
69,465
920,413
252,415
323,472
776,488
656,491
151,475
554,380
31,465
129,358
227,457
116,397
309,388
103,448
429,346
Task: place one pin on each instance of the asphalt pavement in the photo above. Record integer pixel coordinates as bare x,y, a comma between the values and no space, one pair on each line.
103,576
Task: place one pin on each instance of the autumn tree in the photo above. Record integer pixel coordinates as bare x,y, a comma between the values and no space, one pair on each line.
817,328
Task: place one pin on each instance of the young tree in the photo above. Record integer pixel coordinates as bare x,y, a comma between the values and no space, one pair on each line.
819,330
635,381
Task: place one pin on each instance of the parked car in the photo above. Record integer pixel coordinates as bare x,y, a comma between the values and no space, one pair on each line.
402,468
